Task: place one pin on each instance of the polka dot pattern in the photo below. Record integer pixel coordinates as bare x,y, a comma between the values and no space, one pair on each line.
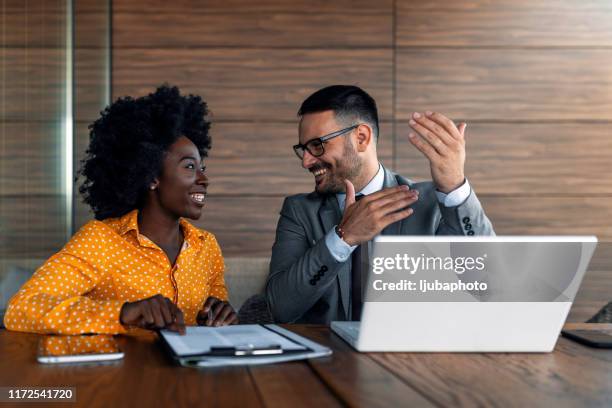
82,288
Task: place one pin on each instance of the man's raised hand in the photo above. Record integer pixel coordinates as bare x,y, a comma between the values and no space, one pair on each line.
365,219
443,143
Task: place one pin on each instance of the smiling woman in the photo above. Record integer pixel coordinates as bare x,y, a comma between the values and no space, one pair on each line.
140,263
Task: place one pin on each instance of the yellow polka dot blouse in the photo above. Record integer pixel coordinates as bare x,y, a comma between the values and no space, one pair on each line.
82,288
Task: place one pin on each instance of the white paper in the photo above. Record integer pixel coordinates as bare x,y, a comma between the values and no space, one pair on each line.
200,339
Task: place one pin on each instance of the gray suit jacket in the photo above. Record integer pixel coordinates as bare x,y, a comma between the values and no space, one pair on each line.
299,252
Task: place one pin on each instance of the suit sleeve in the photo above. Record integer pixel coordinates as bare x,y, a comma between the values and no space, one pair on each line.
54,301
467,218
299,273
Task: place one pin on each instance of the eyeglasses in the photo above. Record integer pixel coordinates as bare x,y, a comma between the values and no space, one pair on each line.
315,146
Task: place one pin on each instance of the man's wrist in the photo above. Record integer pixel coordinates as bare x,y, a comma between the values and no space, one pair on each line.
338,248
453,187
341,233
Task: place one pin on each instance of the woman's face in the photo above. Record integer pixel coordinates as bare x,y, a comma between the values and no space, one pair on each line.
181,187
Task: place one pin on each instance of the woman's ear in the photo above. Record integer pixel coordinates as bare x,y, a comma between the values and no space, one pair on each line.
154,184
364,137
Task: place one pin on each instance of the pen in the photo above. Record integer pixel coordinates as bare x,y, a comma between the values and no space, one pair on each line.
246,350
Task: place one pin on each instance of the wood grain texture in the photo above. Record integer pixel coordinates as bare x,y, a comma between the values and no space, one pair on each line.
373,380
293,385
146,376
595,292
520,23
527,159
246,84
354,377
30,158
267,24
33,226
549,215
506,5
34,92
92,90
243,226
513,85
37,23
42,23
246,225
507,379
35,86
258,159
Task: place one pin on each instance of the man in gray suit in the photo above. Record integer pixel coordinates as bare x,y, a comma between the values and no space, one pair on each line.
321,235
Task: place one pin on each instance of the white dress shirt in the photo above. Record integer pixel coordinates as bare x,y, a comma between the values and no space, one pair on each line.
341,251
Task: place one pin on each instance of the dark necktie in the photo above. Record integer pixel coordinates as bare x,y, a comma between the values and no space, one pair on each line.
358,258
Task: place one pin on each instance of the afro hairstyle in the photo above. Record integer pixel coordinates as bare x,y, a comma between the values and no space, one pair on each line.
128,144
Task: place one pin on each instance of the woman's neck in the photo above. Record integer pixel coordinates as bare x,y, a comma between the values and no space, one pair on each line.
161,228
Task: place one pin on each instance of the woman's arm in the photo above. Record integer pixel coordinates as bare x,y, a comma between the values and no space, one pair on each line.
216,310
217,288
53,300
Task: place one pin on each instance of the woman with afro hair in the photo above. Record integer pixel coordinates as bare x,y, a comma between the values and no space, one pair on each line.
140,263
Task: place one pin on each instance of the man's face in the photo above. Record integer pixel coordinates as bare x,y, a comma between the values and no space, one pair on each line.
340,160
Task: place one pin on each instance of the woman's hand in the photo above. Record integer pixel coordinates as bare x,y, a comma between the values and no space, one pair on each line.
216,312
156,312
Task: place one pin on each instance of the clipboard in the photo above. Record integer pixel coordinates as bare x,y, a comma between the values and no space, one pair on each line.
257,345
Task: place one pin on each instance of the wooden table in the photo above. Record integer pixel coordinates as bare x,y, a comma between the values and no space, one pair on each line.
571,376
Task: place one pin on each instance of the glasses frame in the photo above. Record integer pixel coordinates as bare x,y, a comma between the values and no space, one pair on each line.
323,139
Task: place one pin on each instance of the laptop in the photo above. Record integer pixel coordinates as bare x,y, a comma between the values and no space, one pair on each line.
468,294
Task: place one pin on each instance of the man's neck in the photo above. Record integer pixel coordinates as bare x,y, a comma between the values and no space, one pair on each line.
366,175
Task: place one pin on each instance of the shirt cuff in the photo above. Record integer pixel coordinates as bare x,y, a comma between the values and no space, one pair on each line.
455,197
340,250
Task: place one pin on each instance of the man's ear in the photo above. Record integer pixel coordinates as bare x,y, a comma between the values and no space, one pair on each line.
365,136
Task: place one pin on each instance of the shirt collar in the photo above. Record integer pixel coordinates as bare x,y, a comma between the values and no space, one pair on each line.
376,184
129,222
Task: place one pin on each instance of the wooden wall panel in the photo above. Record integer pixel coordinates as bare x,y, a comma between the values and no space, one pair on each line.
526,158
36,84
511,85
531,78
82,213
337,8
258,159
37,23
33,226
250,221
32,209
245,84
30,158
36,87
546,215
244,226
521,23
42,23
92,90
295,24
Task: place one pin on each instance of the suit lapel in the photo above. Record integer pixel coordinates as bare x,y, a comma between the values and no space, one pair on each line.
396,227
329,212
329,215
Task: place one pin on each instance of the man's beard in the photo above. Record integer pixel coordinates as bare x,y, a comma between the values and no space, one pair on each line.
349,168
